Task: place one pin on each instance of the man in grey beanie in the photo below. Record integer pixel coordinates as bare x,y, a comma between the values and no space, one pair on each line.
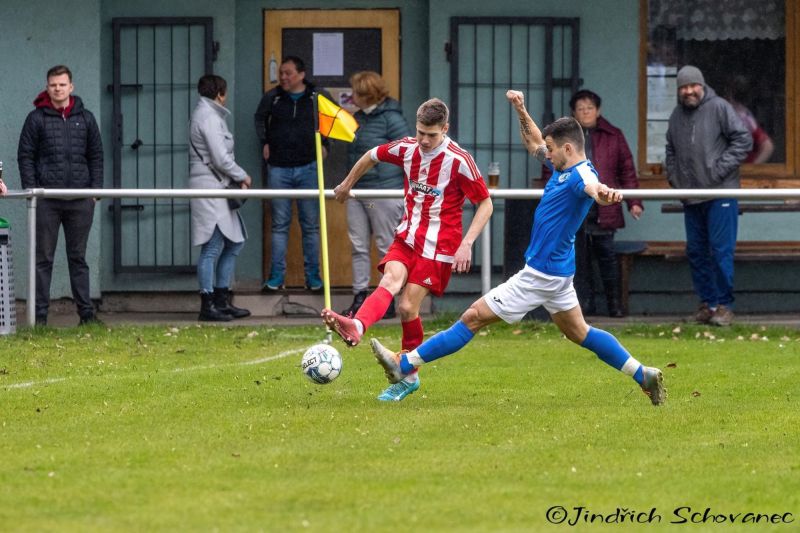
706,143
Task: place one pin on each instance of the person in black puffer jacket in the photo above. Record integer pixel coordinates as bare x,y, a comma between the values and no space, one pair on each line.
60,148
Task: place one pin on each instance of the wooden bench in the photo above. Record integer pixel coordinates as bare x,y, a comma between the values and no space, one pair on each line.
676,251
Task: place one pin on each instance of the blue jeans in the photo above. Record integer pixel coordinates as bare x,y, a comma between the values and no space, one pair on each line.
303,177
217,262
710,243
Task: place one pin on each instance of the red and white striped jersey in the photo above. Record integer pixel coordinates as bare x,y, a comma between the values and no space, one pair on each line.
435,188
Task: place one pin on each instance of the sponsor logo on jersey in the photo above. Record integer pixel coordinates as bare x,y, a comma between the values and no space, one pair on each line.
427,281
424,189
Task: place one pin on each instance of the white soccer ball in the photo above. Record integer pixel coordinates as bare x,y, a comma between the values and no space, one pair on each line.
321,363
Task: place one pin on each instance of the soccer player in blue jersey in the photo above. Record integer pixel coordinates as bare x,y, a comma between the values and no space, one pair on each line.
546,278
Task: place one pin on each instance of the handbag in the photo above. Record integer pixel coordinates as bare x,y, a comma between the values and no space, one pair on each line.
233,203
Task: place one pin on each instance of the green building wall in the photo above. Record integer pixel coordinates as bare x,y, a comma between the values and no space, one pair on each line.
34,36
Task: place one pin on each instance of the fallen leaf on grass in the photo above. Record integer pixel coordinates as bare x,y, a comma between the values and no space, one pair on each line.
672,365
695,393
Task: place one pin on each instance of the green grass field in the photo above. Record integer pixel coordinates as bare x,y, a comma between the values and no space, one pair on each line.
212,428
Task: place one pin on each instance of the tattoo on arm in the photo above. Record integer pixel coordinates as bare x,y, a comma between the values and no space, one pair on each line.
541,153
524,126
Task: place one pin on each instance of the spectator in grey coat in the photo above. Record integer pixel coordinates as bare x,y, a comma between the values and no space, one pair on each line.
216,227
380,120
706,143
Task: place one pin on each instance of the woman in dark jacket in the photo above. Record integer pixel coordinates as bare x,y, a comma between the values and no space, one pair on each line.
380,120
608,151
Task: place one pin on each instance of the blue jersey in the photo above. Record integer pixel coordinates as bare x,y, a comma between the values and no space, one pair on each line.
560,214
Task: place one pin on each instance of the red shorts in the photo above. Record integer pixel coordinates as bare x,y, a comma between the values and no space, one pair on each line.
433,275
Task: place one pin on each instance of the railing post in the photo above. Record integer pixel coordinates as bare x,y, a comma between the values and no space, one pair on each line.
486,257
30,307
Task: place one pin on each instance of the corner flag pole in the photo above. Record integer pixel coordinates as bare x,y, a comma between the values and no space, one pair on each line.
323,222
323,219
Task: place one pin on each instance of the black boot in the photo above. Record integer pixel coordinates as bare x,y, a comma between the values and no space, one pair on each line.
588,307
223,301
613,300
208,312
358,301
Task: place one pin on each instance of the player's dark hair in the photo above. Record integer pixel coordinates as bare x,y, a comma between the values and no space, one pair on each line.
58,70
434,112
212,85
299,64
565,130
585,94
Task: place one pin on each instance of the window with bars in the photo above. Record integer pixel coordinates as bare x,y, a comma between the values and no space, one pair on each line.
488,56
157,62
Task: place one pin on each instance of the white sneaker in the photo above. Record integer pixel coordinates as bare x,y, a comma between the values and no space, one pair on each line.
389,360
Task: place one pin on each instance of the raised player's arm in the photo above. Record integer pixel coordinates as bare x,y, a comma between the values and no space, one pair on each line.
463,258
362,166
528,130
602,193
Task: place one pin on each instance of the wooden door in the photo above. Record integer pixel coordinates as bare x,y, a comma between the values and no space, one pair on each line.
377,34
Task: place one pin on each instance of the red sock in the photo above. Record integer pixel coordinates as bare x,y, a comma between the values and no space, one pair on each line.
412,336
374,307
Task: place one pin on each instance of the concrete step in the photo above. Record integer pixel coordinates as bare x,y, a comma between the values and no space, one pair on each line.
286,303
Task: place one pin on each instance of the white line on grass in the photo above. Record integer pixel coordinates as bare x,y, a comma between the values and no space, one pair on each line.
32,383
258,361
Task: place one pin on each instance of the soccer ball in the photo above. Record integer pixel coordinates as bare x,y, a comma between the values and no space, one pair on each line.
321,363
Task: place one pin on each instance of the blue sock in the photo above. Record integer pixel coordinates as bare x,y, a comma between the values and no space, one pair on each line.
445,342
610,351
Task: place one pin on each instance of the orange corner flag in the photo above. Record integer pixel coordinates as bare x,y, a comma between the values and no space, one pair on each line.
335,122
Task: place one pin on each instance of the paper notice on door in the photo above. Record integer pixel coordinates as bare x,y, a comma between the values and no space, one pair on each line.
328,54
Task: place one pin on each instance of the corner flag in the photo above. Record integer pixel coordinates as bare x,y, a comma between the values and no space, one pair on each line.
335,122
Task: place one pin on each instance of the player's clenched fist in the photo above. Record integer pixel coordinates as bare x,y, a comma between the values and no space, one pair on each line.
516,98
608,195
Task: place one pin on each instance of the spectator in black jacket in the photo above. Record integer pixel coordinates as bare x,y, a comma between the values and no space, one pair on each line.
60,148
285,127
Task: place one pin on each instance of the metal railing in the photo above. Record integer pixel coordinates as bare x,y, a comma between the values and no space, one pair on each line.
32,195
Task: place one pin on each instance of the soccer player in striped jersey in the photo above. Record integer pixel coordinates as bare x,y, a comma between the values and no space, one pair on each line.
428,243
546,278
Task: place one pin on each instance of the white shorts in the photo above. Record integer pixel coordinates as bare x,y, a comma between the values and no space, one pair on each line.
528,289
